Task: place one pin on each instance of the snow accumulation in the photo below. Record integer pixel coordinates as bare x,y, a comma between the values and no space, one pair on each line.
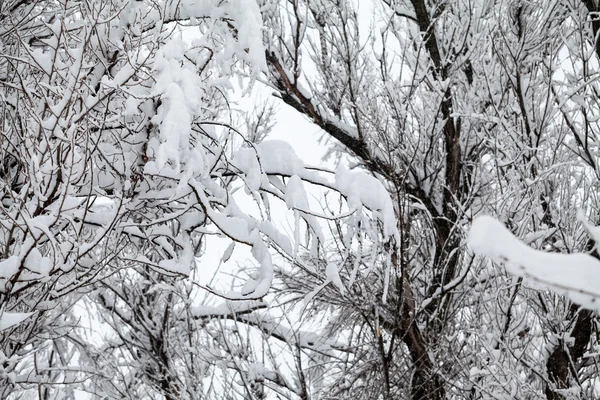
274,157
241,310
278,156
38,264
10,319
574,275
249,25
245,160
8,268
295,195
333,276
227,308
259,286
297,199
244,15
363,189
360,189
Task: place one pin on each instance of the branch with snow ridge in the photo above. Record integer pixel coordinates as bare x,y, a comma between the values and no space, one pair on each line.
575,275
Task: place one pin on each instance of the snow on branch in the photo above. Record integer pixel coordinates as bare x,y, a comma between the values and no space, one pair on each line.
228,309
10,319
363,189
244,311
575,275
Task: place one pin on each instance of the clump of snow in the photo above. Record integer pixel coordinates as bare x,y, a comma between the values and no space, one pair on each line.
175,127
295,195
248,21
279,157
35,262
296,199
333,276
174,266
9,267
181,92
227,308
183,264
362,189
246,161
259,285
267,157
303,339
10,319
574,275
234,227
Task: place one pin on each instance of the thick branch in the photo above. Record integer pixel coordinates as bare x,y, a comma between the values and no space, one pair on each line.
560,364
294,97
594,10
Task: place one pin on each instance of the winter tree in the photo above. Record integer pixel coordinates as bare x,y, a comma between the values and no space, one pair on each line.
119,159
460,109
122,157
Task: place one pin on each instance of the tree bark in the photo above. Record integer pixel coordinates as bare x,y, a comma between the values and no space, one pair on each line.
561,361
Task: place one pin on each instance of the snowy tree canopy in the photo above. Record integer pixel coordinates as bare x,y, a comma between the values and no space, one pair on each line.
451,128
120,159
